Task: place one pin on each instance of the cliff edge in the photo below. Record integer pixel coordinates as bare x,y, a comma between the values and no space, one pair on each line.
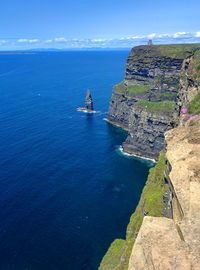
174,244
159,104
147,102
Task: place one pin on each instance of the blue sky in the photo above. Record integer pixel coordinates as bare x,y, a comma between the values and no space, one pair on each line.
103,23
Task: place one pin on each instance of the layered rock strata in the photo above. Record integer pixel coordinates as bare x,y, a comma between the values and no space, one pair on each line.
147,102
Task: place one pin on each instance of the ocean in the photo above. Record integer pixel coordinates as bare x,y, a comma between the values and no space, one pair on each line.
66,190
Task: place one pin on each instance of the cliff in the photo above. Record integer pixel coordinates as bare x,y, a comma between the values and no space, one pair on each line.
174,244
147,102
164,231
117,257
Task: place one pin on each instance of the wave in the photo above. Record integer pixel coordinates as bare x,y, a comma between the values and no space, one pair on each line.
120,149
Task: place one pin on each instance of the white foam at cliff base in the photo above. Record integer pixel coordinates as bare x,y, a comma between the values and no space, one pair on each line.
133,155
85,111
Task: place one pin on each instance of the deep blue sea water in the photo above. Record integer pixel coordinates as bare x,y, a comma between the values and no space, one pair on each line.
65,191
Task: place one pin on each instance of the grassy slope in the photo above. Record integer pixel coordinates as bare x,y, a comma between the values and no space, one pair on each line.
119,87
177,51
197,65
151,201
131,89
161,106
194,106
138,89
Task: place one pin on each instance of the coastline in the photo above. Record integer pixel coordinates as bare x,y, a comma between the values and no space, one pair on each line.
121,148
115,124
137,156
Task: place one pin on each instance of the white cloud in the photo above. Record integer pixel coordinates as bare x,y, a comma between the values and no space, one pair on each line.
98,40
163,35
121,42
3,42
33,40
48,41
197,34
137,37
26,40
60,40
179,34
22,40
151,36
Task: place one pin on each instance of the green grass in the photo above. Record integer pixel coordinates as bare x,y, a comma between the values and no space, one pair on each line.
161,106
119,87
194,106
113,256
179,51
197,65
131,89
137,89
167,95
175,51
151,201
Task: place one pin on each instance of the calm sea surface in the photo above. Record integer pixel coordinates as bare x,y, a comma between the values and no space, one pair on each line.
65,190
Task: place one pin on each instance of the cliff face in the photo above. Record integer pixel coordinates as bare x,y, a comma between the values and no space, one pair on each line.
189,79
146,102
175,243
164,231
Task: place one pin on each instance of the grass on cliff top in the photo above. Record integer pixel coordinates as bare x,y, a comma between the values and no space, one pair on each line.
176,51
165,106
119,87
131,89
113,256
194,106
137,89
151,201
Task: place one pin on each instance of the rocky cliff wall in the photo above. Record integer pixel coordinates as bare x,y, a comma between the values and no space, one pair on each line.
163,232
158,80
174,244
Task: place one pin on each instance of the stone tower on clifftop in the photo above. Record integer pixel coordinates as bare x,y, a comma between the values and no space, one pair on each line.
88,101
150,42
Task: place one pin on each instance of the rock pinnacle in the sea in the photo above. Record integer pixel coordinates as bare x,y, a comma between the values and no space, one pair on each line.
88,101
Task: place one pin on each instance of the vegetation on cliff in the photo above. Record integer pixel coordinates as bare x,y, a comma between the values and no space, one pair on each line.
194,106
161,106
180,51
119,87
197,65
137,89
148,102
151,203
131,89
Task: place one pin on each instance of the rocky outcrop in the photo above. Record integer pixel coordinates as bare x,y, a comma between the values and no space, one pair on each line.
189,83
88,101
175,243
145,103
159,247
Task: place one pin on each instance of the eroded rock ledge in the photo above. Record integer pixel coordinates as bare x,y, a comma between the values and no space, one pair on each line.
174,244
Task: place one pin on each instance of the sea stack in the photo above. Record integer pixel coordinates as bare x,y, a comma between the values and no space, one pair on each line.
88,101
88,104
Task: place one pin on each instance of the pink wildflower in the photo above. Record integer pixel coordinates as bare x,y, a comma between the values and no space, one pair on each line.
184,110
